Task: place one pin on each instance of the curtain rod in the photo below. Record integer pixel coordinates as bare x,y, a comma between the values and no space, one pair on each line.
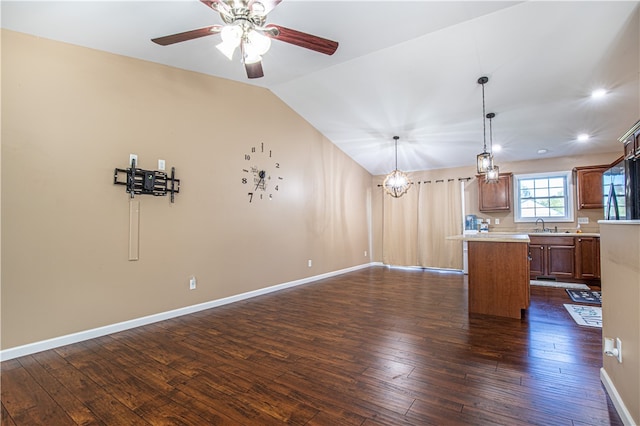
448,180
439,180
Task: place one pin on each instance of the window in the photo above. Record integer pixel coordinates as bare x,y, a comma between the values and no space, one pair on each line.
544,195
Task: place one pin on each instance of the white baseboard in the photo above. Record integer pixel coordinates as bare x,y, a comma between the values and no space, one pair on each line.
621,408
68,339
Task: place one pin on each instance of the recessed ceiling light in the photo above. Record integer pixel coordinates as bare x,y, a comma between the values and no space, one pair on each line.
583,137
598,93
543,151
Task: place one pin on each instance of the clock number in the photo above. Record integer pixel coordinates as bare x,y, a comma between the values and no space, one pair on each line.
250,196
261,146
276,188
247,157
253,149
244,180
277,165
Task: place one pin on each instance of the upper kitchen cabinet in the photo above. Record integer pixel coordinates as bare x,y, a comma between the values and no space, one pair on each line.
589,186
631,141
495,197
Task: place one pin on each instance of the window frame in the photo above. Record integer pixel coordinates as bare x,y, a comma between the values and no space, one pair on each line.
569,197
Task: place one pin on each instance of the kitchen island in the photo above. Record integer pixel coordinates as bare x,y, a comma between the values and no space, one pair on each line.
498,273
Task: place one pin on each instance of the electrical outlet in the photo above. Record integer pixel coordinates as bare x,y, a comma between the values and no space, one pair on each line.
133,157
583,220
365,253
310,263
192,283
497,221
161,165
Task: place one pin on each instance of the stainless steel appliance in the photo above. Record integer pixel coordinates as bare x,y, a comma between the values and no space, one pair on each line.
621,189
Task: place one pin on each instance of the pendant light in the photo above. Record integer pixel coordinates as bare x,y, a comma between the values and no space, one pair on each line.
484,160
493,173
396,183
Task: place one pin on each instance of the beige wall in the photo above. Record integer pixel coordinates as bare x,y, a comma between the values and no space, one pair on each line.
507,223
620,253
71,115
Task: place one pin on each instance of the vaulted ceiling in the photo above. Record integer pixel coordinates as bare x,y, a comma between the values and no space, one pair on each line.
406,68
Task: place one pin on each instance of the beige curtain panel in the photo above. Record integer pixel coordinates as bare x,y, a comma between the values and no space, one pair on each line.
416,225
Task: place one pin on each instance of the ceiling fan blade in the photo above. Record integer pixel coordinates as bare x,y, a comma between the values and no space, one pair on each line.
187,35
254,70
308,41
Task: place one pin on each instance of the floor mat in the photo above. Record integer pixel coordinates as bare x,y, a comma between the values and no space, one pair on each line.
585,296
560,284
590,316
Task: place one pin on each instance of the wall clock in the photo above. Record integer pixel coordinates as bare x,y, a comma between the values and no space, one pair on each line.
261,175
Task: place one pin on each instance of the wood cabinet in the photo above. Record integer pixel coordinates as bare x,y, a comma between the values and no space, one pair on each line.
589,186
552,257
498,278
494,197
631,141
587,258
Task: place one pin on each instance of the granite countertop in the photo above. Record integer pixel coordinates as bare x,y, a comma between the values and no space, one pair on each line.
549,234
494,237
620,222
565,234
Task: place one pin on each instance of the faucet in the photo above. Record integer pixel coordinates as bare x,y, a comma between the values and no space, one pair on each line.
541,220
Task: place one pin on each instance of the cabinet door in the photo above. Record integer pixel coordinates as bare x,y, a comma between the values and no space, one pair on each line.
561,261
629,148
589,187
587,257
495,196
536,265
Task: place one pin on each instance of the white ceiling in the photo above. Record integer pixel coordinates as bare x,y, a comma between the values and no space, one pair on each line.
406,68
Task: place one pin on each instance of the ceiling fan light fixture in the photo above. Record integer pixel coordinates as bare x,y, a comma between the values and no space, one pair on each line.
227,48
257,8
257,44
231,34
252,59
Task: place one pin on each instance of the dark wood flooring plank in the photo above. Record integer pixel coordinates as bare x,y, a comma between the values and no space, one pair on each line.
378,346
103,403
28,403
75,409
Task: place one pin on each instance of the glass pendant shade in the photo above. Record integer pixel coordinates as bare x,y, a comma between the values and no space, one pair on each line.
484,162
492,175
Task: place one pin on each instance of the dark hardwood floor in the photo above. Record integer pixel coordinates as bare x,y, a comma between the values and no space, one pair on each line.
375,347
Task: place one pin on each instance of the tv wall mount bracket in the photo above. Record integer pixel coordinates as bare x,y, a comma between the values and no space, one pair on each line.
151,182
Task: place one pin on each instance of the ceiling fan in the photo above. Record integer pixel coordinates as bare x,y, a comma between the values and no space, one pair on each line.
244,27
